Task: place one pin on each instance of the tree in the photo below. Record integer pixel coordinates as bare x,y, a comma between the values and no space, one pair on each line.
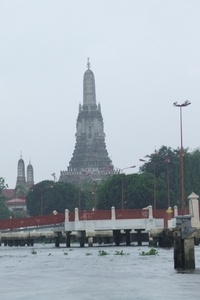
191,171
138,191
3,185
4,211
21,190
47,196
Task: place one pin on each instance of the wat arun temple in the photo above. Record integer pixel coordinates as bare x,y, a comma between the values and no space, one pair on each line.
90,160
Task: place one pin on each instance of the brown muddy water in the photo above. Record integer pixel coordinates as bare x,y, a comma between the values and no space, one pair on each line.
80,273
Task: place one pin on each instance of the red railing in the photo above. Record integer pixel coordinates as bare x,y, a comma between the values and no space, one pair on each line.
95,215
87,215
132,214
32,221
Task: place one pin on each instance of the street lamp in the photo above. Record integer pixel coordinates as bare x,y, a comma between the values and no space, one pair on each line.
154,172
41,195
186,103
122,183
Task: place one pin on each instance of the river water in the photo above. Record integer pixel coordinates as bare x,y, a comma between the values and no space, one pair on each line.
80,273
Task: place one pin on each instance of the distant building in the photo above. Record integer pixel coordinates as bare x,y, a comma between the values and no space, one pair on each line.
21,178
90,160
16,205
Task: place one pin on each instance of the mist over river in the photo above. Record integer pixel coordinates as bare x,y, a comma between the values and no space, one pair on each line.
81,273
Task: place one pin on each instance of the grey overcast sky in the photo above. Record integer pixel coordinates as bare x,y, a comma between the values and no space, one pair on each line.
145,55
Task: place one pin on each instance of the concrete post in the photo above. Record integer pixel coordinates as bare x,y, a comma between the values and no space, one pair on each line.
184,243
113,213
90,241
194,209
66,215
175,211
76,214
139,236
82,239
128,240
184,256
150,212
117,237
57,241
68,239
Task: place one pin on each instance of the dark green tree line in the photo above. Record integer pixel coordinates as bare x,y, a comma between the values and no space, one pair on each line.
4,211
47,196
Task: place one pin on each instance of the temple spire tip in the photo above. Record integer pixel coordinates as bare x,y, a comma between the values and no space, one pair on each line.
88,63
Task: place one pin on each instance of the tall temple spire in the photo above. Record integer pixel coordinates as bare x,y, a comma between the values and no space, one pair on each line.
89,93
30,177
21,179
90,160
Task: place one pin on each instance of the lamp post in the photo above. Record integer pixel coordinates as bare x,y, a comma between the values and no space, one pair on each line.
95,196
167,160
168,188
154,181
186,103
41,196
122,183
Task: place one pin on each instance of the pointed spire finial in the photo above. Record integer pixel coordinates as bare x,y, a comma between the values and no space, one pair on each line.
29,161
88,63
21,154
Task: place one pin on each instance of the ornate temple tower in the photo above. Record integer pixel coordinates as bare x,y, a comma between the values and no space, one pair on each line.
21,179
90,158
30,179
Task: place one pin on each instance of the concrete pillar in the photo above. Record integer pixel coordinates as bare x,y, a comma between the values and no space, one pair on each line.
100,240
76,214
32,242
82,239
113,217
150,212
28,242
10,243
117,237
68,239
184,257
66,215
175,211
90,241
22,243
16,243
139,236
57,241
194,209
128,240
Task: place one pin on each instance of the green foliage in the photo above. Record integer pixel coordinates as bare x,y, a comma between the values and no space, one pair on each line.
21,190
87,254
33,251
138,189
47,196
65,253
4,211
102,253
3,185
152,251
